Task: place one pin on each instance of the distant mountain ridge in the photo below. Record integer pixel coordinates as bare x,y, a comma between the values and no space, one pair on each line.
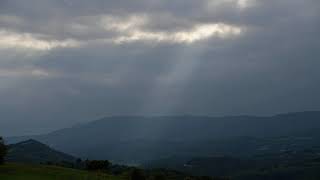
129,138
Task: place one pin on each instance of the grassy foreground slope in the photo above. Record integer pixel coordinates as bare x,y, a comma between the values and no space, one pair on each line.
12,171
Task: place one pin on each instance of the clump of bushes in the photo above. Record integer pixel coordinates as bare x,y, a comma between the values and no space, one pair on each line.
93,165
137,174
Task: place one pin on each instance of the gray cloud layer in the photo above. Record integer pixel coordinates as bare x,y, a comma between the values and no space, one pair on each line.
63,62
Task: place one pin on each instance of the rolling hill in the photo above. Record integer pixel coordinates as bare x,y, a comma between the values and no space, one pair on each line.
32,151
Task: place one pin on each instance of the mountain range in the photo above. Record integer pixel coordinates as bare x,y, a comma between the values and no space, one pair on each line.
136,139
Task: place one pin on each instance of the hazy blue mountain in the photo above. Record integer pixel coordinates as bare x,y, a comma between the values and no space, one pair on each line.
32,151
134,138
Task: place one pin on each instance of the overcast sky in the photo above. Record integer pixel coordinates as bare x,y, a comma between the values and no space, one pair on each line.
64,62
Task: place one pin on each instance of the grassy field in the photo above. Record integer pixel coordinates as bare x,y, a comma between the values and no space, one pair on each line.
12,171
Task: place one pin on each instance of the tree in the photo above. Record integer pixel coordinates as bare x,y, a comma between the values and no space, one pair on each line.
97,165
3,150
79,161
137,174
159,177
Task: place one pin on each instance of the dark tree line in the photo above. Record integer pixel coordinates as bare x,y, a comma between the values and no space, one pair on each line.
3,150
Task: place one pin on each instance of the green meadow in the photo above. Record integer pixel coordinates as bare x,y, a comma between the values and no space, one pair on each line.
12,171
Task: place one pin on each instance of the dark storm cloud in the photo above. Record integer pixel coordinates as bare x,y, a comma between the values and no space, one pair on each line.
62,61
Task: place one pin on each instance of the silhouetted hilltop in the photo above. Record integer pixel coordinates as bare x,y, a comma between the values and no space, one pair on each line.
32,151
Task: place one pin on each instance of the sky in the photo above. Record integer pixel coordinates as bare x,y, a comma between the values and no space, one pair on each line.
64,62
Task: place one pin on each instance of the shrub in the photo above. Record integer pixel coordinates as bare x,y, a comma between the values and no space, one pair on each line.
97,165
137,174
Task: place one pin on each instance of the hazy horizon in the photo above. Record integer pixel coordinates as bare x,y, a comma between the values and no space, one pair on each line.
88,121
